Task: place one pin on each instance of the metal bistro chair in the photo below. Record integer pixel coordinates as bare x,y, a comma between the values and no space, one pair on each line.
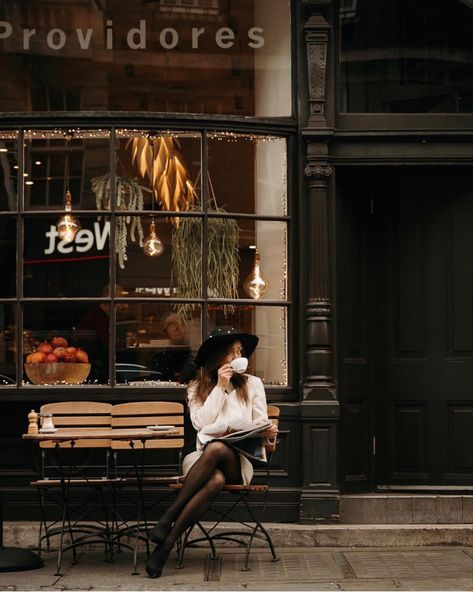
252,527
64,468
139,464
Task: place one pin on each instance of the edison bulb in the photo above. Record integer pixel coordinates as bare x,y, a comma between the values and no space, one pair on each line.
68,227
153,245
256,284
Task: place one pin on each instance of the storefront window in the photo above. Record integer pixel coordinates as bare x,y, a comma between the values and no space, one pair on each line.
8,348
8,231
54,267
180,232
399,56
66,343
8,171
152,273
248,177
57,161
158,171
156,345
269,360
181,56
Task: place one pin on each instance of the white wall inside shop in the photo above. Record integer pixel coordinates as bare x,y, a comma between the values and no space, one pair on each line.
273,60
271,241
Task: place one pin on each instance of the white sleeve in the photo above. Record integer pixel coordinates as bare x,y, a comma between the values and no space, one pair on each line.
206,413
259,411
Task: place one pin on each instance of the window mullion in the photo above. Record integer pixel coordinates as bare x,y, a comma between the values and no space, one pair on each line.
20,221
112,262
205,198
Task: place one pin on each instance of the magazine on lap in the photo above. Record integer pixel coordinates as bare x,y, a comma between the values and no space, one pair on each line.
246,441
250,431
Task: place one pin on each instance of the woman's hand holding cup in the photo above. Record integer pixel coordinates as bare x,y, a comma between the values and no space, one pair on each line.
225,373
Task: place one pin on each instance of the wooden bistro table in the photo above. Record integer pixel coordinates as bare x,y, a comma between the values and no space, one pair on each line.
109,535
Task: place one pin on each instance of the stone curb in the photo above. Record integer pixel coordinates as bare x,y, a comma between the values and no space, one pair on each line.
25,534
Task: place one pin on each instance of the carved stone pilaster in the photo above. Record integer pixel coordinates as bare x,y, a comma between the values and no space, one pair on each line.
317,32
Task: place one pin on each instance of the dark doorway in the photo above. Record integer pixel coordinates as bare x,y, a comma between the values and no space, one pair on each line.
405,327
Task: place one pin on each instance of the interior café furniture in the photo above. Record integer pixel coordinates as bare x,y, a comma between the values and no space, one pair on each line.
88,425
251,527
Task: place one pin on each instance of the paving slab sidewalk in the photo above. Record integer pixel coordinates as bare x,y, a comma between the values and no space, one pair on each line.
446,568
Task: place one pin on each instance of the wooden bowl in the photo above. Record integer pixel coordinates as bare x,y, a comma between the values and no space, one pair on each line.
53,373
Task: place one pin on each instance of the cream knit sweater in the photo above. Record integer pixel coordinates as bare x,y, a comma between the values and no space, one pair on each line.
221,411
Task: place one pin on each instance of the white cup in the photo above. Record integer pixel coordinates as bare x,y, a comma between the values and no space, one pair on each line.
239,365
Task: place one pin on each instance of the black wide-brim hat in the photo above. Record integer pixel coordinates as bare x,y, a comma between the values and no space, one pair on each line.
225,335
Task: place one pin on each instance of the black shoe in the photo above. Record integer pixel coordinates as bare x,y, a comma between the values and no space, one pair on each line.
155,564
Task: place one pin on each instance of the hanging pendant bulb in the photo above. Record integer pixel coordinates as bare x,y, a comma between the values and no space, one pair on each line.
256,284
68,225
153,245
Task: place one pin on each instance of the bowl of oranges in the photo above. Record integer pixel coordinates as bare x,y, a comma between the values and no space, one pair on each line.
55,362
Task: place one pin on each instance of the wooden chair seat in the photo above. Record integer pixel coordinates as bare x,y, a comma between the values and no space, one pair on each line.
231,487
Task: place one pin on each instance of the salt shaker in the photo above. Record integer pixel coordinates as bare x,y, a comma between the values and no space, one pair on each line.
33,422
47,424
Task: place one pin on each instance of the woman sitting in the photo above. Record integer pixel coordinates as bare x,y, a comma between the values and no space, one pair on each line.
220,401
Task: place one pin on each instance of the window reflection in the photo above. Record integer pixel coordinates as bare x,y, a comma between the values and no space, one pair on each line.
54,268
247,173
158,171
56,162
269,361
159,344
167,275
8,228
8,345
181,56
407,57
70,326
261,248
8,174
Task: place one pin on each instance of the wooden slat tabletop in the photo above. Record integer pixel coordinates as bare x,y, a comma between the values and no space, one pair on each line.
117,434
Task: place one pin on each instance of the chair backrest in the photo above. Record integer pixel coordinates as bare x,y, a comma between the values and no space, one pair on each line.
80,416
273,415
142,414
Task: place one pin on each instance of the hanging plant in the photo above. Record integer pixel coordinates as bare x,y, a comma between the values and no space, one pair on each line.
160,161
223,237
129,194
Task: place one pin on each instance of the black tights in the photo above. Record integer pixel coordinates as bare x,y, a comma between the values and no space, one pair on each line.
218,464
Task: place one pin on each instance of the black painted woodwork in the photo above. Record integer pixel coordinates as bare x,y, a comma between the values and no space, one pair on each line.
406,327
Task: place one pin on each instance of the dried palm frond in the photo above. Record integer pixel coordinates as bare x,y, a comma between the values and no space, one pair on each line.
159,160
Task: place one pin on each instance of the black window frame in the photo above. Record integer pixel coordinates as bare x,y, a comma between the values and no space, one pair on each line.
113,391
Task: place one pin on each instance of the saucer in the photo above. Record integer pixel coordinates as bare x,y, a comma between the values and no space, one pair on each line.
47,430
158,427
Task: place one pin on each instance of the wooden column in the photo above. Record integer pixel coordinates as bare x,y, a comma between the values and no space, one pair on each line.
319,376
319,405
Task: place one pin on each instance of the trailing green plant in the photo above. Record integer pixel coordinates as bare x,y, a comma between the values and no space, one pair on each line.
223,258
129,196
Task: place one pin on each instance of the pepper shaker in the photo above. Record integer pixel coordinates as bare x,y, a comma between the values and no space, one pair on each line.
33,422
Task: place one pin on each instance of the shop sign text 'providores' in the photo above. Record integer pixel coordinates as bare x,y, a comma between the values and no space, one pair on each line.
136,37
